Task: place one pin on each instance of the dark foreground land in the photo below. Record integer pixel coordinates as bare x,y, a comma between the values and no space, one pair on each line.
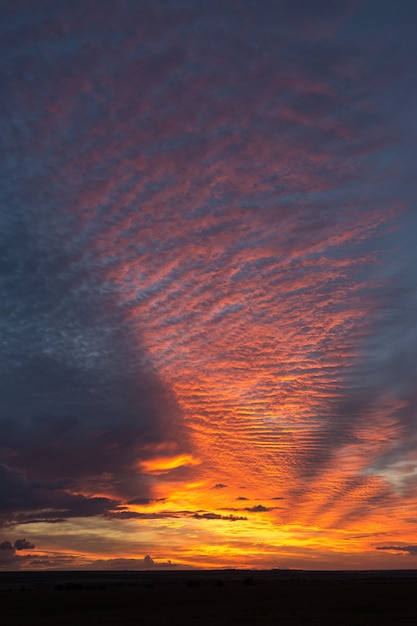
223,597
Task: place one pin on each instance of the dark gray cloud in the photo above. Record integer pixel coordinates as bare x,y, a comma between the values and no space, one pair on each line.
126,514
258,508
9,559
145,501
22,544
7,553
217,516
401,549
147,563
30,501
204,515
81,402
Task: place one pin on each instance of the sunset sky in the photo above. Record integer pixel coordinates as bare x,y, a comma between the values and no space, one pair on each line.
208,293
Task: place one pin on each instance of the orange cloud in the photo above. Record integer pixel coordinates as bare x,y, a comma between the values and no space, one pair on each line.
161,465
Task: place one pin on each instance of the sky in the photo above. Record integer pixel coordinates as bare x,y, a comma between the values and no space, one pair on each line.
208,294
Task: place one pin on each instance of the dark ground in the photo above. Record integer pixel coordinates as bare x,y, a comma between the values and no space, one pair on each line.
223,597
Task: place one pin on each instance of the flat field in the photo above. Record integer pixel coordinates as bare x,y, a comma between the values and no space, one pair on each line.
222,597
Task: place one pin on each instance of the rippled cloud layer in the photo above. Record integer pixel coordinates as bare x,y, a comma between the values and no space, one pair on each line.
207,287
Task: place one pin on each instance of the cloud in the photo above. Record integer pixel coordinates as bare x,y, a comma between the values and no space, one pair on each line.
82,406
217,516
412,549
7,553
146,563
8,556
258,508
28,501
145,501
206,263
22,544
176,514
161,465
146,515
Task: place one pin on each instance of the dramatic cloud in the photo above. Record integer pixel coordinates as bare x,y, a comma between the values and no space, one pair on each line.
207,280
